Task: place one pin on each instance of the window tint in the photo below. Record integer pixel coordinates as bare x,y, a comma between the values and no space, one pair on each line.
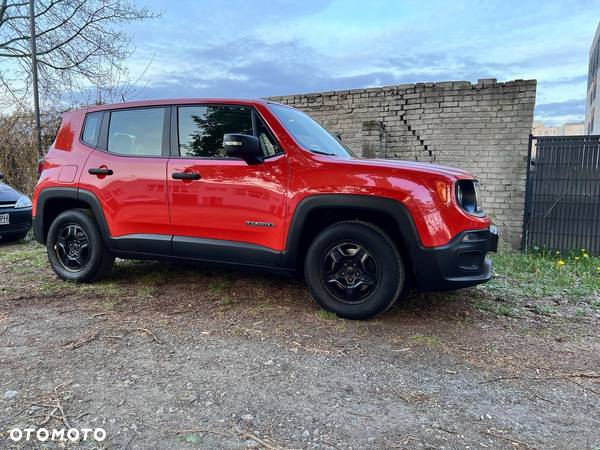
91,130
136,131
201,128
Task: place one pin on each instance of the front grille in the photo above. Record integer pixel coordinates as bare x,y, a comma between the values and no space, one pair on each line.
7,205
20,219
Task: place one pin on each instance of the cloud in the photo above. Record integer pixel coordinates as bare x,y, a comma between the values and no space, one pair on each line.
277,47
561,112
565,81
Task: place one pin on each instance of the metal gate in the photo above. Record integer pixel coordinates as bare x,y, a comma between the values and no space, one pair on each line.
562,202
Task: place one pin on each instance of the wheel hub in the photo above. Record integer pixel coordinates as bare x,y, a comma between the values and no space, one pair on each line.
350,272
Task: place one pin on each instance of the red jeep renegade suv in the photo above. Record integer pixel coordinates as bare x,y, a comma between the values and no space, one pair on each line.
254,183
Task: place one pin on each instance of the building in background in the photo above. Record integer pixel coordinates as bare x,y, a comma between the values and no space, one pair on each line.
539,129
574,129
568,129
592,104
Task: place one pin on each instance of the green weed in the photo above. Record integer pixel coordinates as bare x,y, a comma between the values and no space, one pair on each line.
425,339
327,315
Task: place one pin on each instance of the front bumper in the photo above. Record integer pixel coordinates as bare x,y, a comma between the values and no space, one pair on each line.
459,264
20,221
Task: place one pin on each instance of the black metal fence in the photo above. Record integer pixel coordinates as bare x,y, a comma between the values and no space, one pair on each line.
562,206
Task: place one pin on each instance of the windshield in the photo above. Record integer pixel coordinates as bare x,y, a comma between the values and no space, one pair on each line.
308,133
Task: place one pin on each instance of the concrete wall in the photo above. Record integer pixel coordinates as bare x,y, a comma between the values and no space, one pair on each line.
483,128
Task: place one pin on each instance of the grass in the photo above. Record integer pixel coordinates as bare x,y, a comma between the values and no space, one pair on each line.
426,340
217,287
544,310
190,438
145,290
543,274
263,305
327,315
496,307
227,301
106,288
109,304
534,276
23,254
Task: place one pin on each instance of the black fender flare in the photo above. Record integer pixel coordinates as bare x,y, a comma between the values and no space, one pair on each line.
397,210
68,193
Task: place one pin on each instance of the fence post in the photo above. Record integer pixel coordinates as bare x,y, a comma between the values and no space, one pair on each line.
527,208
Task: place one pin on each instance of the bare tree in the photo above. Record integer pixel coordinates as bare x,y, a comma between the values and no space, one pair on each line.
80,44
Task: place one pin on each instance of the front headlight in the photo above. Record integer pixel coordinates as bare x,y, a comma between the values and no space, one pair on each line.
23,202
468,196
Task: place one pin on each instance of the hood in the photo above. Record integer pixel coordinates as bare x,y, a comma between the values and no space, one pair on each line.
413,165
8,194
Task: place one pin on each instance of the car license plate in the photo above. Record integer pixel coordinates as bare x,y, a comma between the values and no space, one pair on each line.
4,219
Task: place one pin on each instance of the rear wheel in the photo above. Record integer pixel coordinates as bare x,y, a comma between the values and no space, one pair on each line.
354,270
75,248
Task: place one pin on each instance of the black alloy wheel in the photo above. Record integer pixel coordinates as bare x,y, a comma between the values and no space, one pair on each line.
75,247
72,247
350,272
354,269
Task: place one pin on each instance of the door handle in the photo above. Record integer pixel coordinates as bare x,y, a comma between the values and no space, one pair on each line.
100,171
185,176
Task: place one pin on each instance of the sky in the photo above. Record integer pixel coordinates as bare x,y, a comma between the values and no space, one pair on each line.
259,48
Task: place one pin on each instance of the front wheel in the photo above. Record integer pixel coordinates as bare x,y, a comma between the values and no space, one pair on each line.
354,270
75,248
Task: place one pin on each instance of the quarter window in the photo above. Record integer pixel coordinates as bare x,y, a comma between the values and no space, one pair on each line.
136,132
267,142
91,130
201,128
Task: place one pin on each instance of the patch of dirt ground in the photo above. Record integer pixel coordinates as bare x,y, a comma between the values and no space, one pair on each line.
167,356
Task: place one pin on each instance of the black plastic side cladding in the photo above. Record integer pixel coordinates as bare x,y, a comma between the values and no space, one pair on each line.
387,206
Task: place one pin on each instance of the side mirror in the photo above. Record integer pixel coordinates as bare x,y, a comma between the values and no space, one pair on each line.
243,146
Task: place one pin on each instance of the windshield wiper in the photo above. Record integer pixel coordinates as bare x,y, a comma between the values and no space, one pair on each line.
323,153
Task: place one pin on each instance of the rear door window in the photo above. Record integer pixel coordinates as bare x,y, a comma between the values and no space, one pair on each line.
136,132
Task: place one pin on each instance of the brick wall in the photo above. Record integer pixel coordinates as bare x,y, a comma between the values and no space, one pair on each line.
483,128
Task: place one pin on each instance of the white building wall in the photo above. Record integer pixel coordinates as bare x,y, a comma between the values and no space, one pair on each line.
592,106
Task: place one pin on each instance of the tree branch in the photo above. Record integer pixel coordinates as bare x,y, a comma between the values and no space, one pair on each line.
77,41
2,9
81,29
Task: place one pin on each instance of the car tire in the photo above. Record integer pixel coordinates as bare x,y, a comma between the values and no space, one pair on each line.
13,237
75,247
354,270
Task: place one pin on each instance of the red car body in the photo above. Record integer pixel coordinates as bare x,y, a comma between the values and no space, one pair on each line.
142,199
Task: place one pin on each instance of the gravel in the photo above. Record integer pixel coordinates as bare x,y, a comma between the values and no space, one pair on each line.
183,368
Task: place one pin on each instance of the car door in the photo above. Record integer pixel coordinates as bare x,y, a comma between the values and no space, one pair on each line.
127,174
224,208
